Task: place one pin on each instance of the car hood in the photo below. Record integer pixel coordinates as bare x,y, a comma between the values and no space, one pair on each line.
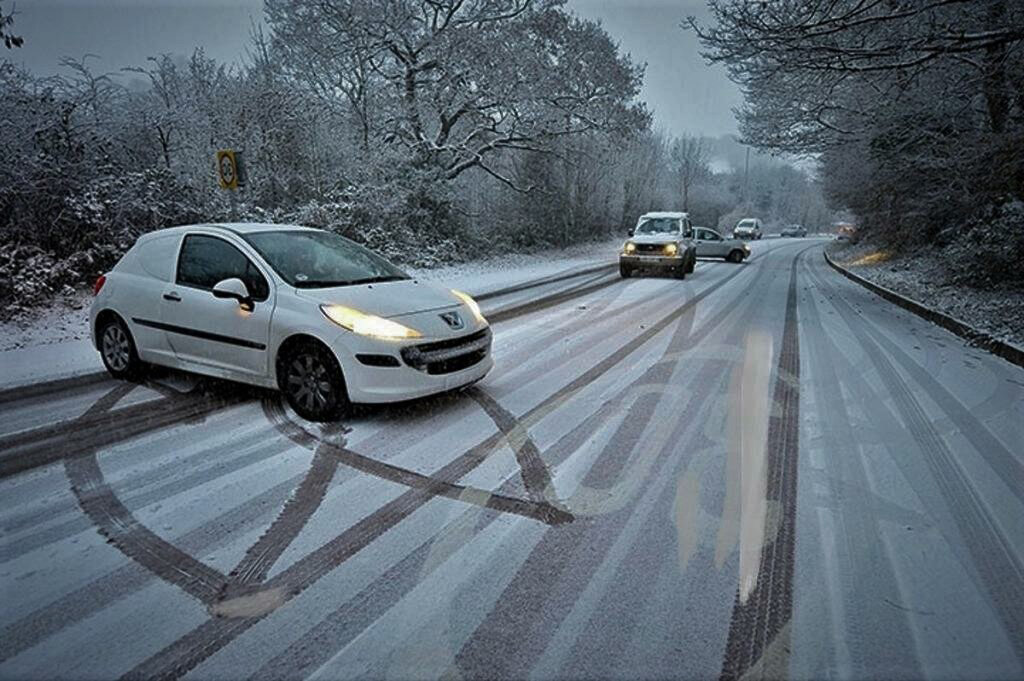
657,239
386,299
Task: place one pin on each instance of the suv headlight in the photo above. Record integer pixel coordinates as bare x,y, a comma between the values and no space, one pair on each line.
671,249
629,248
367,324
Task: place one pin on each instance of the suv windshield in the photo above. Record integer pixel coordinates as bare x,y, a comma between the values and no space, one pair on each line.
317,259
658,226
746,224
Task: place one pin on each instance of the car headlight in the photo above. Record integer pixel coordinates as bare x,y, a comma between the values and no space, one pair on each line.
630,247
471,304
367,324
671,249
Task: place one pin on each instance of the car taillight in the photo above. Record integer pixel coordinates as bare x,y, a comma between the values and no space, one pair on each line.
99,284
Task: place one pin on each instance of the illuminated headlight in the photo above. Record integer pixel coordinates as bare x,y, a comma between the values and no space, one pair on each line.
471,304
367,324
671,249
630,247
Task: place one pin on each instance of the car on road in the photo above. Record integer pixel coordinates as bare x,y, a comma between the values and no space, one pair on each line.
321,318
661,241
711,244
793,231
747,229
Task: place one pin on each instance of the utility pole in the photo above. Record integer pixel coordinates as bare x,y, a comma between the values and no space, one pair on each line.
746,175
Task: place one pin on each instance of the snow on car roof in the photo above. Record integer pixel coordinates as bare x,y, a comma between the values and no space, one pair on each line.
664,214
236,227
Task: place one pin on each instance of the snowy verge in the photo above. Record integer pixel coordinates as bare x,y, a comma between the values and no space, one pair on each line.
53,343
990,318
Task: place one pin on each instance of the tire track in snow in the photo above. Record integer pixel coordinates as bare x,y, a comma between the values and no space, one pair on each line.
758,632
998,566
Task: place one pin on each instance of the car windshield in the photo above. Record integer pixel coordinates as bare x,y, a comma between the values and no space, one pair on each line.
317,259
745,224
658,226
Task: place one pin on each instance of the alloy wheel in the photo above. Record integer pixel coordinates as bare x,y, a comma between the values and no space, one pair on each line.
309,383
116,347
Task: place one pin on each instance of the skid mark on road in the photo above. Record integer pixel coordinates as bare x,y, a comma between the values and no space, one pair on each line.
759,631
115,522
997,564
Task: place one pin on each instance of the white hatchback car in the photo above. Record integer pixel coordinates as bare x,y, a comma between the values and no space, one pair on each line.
711,244
320,317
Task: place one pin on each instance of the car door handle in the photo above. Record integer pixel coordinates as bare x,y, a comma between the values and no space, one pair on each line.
173,297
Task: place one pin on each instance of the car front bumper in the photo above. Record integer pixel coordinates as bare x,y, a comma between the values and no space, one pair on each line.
413,372
659,261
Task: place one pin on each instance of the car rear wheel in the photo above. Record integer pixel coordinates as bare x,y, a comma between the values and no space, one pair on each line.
312,382
117,349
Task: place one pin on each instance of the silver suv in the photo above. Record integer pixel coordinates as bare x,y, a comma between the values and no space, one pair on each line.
747,228
660,241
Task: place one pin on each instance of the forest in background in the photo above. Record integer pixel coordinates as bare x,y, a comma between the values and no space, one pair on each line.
915,109
433,131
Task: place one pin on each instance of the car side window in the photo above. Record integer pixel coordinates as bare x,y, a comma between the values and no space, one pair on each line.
206,260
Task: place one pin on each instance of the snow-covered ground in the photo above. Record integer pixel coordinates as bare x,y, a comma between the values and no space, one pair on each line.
926,279
53,342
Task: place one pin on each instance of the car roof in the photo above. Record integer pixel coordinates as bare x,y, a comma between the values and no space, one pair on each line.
233,228
664,214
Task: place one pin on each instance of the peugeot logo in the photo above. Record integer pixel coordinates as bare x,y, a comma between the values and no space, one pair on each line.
453,320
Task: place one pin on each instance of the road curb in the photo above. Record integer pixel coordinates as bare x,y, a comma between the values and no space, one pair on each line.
1008,351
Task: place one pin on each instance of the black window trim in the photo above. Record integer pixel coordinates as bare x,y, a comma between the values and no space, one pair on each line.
181,249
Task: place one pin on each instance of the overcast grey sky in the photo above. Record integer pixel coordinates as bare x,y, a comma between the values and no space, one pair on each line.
684,93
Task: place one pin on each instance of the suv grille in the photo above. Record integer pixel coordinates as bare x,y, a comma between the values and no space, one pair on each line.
650,248
448,356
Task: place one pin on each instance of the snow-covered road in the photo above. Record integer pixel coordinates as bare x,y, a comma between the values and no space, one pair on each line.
763,469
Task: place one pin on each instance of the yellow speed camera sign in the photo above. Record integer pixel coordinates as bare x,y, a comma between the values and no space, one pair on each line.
227,169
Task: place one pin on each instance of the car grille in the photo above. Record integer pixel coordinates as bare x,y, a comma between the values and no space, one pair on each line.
449,356
650,248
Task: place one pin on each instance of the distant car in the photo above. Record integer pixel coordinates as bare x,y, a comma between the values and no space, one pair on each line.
711,244
846,232
794,231
660,241
748,228
306,311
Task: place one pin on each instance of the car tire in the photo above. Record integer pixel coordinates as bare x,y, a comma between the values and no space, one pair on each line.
693,263
735,256
117,349
312,382
679,272
625,272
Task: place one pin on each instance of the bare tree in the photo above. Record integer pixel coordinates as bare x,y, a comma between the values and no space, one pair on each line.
466,80
10,40
689,159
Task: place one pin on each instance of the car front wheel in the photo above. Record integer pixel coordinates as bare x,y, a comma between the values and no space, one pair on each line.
117,349
735,256
624,271
313,383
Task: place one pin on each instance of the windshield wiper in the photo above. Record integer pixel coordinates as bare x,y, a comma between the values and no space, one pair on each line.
375,280
323,283
328,283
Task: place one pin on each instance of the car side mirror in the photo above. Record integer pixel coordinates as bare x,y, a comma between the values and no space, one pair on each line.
235,289
630,232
